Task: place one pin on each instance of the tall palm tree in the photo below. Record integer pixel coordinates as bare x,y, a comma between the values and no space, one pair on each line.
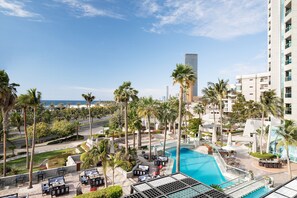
173,104
199,109
123,95
220,90
184,76
114,161
89,99
209,97
270,104
288,133
163,114
7,101
23,102
34,102
146,109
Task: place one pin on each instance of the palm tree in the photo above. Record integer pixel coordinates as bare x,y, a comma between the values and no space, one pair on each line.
220,90
34,102
123,95
114,161
89,99
7,101
146,109
23,102
163,114
184,76
270,104
288,132
173,104
199,109
209,96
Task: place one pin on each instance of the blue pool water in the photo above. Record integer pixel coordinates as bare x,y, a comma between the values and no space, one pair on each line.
199,166
258,193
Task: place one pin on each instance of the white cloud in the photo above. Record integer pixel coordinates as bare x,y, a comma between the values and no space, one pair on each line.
15,8
83,9
218,19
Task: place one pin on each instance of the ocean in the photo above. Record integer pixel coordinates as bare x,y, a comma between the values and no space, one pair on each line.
65,102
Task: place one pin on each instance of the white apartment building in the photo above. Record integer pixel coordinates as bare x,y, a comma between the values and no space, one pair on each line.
282,52
252,85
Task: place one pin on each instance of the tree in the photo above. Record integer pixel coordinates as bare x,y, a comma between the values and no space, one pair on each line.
89,99
184,76
163,114
63,128
16,120
199,109
134,122
173,104
42,130
220,90
209,96
123,95
270,104
146,109
114,161
7,101
23,102
34,102
288,132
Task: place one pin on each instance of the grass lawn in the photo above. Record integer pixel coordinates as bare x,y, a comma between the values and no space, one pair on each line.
56,159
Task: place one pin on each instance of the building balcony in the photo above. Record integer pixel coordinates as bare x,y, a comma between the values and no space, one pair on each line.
288,28
288,61
288,12
288,95
288,78
289,44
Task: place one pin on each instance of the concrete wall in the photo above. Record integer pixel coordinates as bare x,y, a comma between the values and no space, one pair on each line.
11,180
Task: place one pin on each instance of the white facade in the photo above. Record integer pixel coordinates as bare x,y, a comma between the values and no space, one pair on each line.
282,29
252,86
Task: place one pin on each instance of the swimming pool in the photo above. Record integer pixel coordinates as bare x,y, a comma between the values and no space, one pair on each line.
258,193
199,166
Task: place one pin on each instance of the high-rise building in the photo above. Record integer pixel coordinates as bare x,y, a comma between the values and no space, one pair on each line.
282,52
192,60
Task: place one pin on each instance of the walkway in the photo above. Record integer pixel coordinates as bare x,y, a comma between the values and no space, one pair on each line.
244,188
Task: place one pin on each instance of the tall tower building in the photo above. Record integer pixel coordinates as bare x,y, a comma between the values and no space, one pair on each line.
282,52
192,60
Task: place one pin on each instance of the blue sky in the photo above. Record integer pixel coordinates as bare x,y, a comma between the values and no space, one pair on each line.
68,47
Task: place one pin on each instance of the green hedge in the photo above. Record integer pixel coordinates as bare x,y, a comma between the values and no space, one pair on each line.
263,156
110,192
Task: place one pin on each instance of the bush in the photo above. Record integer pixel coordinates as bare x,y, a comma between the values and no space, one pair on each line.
263,156
84,146
98,136
21,153
110,192
217,187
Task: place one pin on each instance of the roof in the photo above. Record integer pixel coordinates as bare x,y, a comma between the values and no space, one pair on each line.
174,186
286,190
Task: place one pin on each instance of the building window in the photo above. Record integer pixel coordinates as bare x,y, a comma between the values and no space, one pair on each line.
251,79
288,75
288,9
251,94
288,25
251,86
288,92
288,42
288,108
288,59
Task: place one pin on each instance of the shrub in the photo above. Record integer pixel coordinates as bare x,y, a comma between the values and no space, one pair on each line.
98,136
217,187
263,156
63,128
110,192
84,146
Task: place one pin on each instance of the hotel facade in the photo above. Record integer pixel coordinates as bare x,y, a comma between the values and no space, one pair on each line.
282,52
